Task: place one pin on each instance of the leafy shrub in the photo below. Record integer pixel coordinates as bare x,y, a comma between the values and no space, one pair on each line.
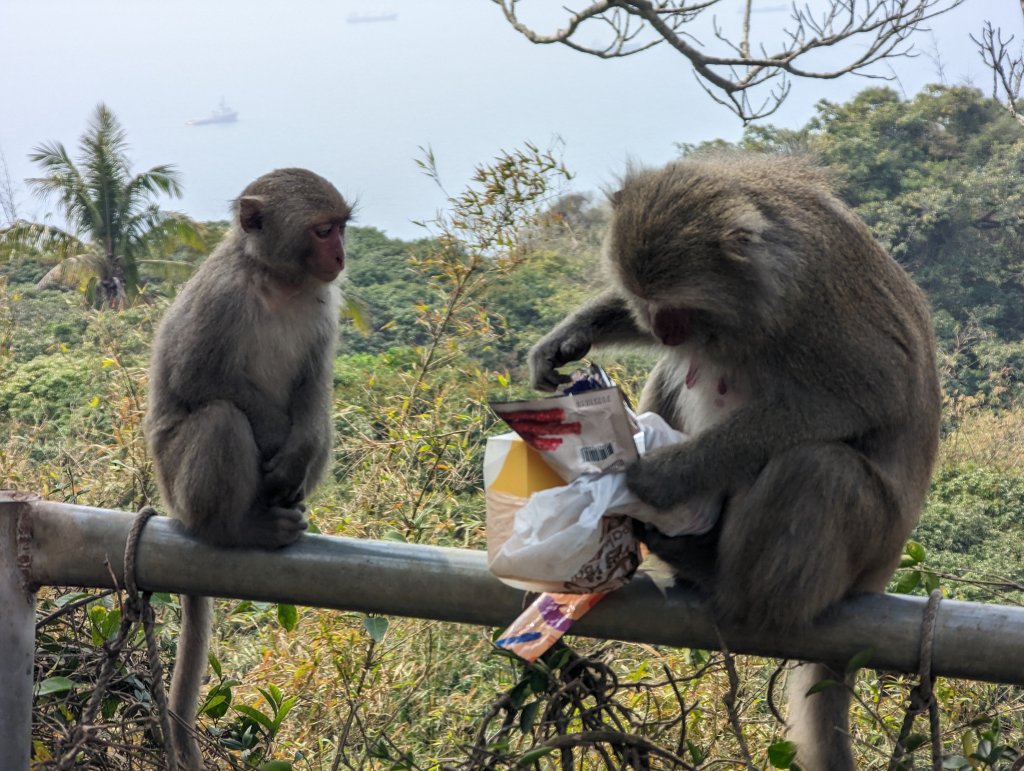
972,528
49,387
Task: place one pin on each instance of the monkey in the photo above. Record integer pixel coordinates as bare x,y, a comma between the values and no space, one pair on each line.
799,357
240,387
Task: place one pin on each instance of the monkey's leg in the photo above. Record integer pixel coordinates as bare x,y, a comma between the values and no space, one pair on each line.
217,487
189,668
818,523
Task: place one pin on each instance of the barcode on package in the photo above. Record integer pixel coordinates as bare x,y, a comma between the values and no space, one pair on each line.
596,453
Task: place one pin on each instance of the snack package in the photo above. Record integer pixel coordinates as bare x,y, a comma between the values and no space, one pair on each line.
587,429
558,508
576,537
546,620
565,545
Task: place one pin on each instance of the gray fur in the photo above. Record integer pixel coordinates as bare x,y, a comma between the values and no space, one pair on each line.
800,359
239,422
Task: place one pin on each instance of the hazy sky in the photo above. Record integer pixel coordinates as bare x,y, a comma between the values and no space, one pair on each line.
354,102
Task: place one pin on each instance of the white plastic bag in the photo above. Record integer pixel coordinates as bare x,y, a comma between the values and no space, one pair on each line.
578,537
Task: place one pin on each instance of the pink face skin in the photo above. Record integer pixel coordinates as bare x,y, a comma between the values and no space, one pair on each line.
670,325
327,253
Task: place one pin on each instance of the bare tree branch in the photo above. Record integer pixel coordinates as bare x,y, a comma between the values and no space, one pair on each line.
1007,68
736,62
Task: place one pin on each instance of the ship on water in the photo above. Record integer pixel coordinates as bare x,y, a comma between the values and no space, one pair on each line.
364,18
222,114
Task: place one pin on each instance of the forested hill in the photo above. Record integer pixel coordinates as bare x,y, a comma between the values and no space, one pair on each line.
939,178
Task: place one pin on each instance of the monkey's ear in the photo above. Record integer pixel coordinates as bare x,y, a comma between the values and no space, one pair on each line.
616,197
250,213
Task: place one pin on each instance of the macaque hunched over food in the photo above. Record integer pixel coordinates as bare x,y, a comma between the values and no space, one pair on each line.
240,391
799,357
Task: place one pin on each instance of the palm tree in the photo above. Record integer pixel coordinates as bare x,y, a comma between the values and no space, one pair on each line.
112,224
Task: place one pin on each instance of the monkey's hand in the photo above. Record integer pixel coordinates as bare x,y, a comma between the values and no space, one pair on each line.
554,350
665,477
284,476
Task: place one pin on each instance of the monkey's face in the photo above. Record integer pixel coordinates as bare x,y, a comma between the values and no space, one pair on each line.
688,255
294,226
326,257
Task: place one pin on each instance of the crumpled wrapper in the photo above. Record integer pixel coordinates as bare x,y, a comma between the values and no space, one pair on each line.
543,536
558,508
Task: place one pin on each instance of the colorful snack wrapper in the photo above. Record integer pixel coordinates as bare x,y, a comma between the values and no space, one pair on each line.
559,511
544,622
588,430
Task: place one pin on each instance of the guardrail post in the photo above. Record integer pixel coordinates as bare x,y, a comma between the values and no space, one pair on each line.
17,634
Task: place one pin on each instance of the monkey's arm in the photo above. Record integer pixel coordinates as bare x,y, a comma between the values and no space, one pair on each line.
730,454
300,462
606,320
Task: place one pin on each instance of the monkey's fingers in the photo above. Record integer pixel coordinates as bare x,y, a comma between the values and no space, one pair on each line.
286,496
549,379
282,526
550,354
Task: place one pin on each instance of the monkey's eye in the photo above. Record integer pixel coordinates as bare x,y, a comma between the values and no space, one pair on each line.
322,231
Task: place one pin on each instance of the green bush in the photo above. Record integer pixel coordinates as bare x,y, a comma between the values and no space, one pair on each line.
50,387
972,528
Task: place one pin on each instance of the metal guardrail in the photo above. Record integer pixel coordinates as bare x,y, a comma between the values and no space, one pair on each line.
54,544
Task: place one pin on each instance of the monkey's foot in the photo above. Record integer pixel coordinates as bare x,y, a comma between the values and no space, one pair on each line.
279,526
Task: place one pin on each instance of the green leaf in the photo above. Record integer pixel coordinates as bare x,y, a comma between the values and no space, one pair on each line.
53,685
907,582
528,716
282,712
697,657
376,626
276,765
216,706
915,551
380,751
499,746
823,685
559,658
539,680
215,665
272,694
287,616
519,693
859,660
110,706
781,754
696,753
63,600
532,756
105,623
256,716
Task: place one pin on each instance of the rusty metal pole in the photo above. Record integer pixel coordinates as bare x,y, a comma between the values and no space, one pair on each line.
17,635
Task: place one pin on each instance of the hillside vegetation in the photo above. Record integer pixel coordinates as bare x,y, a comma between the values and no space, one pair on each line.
435,328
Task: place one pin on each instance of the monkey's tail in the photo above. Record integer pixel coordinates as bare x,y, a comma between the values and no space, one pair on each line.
819,724
187,679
